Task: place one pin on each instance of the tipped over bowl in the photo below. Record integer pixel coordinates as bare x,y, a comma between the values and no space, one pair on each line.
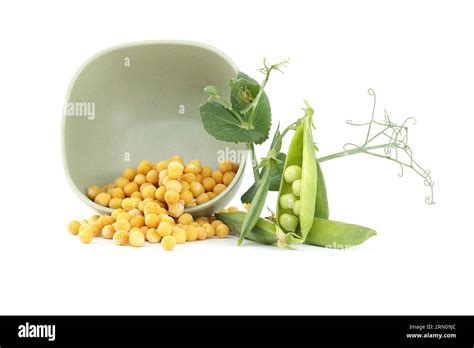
141,101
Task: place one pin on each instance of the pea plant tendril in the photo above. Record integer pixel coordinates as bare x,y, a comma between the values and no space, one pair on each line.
388,140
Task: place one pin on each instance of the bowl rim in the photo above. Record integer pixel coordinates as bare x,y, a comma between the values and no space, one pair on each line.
82,195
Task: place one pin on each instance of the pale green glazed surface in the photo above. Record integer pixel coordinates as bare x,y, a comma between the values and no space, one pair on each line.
137,112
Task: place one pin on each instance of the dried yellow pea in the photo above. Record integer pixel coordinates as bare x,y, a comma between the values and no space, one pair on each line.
168,243
74,227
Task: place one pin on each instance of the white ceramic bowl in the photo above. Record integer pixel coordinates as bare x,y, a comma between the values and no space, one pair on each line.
141,101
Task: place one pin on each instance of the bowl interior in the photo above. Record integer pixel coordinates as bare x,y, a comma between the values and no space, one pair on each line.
141,101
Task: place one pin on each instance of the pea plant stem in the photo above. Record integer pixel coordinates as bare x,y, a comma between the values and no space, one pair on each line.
351,152
256,174
276,144
267,70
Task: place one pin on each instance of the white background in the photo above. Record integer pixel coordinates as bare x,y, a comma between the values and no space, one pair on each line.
418,57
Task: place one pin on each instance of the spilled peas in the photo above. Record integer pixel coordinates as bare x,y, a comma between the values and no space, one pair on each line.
171,183
148,223
149,203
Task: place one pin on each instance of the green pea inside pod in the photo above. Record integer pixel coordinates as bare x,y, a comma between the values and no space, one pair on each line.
292,173
288,222
297,208
287,201
296,187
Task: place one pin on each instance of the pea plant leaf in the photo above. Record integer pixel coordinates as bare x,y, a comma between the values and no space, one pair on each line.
223,125
244,97
243,90
230,122
263,118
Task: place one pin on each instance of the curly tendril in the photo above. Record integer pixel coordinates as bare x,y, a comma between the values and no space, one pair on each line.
388,140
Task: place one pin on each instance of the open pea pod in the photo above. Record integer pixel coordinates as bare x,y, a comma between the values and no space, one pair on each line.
299,184
324,233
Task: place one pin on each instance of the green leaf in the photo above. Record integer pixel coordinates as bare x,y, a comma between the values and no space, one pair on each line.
244,91
274,180
263,118
223,125
276,175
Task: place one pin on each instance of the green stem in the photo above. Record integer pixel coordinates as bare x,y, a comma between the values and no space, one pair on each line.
351,152
292,126
253,106
255,102
225,104
275,144
256,174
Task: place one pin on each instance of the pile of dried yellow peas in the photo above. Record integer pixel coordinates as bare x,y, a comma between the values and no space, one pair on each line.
150,223
149,204
170,183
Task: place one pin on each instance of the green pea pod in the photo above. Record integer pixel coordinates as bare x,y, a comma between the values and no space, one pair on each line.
324,233
336,234
301,153
322,207
309,180
264,231
258,201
